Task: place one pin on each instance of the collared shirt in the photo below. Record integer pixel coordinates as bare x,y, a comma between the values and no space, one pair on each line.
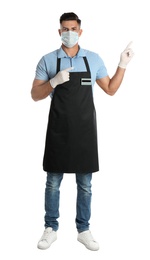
46,67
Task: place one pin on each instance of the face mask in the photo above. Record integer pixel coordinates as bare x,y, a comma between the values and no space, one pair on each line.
69,39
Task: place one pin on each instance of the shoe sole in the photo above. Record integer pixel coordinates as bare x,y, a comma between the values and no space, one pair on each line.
87,246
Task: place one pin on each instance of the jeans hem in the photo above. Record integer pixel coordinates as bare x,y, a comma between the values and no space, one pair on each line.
80,231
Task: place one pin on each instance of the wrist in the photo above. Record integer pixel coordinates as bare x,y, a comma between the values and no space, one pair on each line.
52,83
122,65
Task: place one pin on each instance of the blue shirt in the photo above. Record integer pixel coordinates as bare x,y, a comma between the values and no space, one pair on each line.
46,67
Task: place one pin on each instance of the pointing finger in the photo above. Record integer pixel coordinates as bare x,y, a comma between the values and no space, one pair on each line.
129,45
68,69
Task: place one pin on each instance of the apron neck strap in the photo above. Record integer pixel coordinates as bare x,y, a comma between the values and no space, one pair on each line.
58,64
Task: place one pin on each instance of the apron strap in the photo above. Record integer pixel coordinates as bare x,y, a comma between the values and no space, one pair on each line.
58,65
86,64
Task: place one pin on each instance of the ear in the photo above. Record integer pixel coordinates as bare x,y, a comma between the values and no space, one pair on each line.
80,32
59,31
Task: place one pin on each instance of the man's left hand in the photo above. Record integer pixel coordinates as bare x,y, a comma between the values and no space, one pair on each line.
126,56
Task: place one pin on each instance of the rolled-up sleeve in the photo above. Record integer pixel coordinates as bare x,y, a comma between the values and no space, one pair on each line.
41,70
102,71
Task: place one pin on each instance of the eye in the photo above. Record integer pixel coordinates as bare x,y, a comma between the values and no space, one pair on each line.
65,29
74,29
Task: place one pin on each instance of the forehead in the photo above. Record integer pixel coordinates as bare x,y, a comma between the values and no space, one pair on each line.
69,24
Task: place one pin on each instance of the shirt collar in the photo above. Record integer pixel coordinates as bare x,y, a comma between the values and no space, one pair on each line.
62,54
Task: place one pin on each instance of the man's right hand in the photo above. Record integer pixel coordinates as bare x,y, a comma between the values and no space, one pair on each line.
61,77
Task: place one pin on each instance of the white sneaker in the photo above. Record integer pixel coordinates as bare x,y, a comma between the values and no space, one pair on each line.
48,237
87,239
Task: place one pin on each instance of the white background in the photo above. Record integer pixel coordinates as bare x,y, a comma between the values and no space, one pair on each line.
120,205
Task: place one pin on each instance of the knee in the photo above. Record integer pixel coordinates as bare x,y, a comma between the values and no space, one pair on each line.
84,187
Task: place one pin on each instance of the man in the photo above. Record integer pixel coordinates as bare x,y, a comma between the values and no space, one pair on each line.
68,76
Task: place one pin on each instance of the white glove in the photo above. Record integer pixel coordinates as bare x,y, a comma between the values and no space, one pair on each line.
126,56
61,77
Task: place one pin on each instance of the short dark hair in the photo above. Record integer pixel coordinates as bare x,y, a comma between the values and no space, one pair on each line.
68,17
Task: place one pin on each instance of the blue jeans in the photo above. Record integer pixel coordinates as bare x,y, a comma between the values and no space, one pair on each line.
83,202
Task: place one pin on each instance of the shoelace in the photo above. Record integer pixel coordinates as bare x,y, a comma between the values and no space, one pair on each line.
45,235
89,237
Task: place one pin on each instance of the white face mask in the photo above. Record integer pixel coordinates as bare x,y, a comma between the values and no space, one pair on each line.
69,38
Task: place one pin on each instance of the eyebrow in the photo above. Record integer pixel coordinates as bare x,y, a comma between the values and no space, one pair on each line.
74,27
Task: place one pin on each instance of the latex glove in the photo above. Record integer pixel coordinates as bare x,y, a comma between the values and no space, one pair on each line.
126,56
61,77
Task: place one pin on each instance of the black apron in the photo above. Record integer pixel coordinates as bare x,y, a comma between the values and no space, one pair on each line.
71,139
